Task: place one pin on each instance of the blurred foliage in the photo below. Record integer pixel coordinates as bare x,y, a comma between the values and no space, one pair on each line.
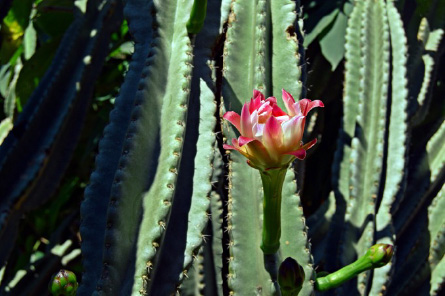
30,34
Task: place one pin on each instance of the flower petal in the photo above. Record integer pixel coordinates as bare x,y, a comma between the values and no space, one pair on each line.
307,105
256,101
293,130
258,130
229,147
300,153
288,102
246,123
258,94
245,140
309,144
273,137
276,111
234,119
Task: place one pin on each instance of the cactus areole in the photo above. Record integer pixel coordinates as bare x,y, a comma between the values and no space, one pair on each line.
270,140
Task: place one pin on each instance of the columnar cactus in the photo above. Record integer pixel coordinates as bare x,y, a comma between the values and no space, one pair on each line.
169,210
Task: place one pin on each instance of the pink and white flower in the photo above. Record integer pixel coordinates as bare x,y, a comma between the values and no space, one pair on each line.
271,138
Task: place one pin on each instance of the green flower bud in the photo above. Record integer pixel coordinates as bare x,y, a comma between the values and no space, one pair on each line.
64,283
290,277
380,254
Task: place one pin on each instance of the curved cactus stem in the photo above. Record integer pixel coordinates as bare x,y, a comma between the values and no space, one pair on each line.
104,189
193,284
244,228
436,227
397,143
354,71
172,60
367,78
217,236
437,258
287,50
199,210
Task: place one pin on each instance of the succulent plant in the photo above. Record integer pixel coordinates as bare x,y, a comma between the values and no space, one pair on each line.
169,210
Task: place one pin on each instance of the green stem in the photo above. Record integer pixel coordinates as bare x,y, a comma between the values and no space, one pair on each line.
377,256
197,16
272,184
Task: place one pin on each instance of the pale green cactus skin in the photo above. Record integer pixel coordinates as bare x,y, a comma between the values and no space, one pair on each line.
168,211
222,232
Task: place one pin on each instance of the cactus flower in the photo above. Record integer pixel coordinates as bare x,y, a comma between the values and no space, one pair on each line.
271,138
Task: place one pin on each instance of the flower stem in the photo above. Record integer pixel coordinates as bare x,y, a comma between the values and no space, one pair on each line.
197,16
272,184
377,256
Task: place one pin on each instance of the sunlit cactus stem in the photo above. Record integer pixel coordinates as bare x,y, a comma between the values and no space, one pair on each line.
64,283
197,16
377,256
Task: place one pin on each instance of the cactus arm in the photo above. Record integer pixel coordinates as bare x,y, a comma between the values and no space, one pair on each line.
364,123
238,55
294,238
287,49
428,58
241,60
5,126
262,60
367,145
217,244
199,209
173,58
438,273
436,153
103,190
397,139
192,284
436,227
244,228
354,71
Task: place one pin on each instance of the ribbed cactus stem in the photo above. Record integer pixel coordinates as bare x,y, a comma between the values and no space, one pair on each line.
377,256
272,184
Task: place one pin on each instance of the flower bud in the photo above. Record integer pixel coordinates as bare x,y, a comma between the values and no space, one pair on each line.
64,283
290,277
380,254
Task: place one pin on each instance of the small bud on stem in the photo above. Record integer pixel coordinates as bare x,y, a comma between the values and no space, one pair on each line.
290,277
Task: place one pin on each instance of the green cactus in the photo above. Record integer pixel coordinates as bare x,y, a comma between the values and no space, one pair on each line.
167,210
